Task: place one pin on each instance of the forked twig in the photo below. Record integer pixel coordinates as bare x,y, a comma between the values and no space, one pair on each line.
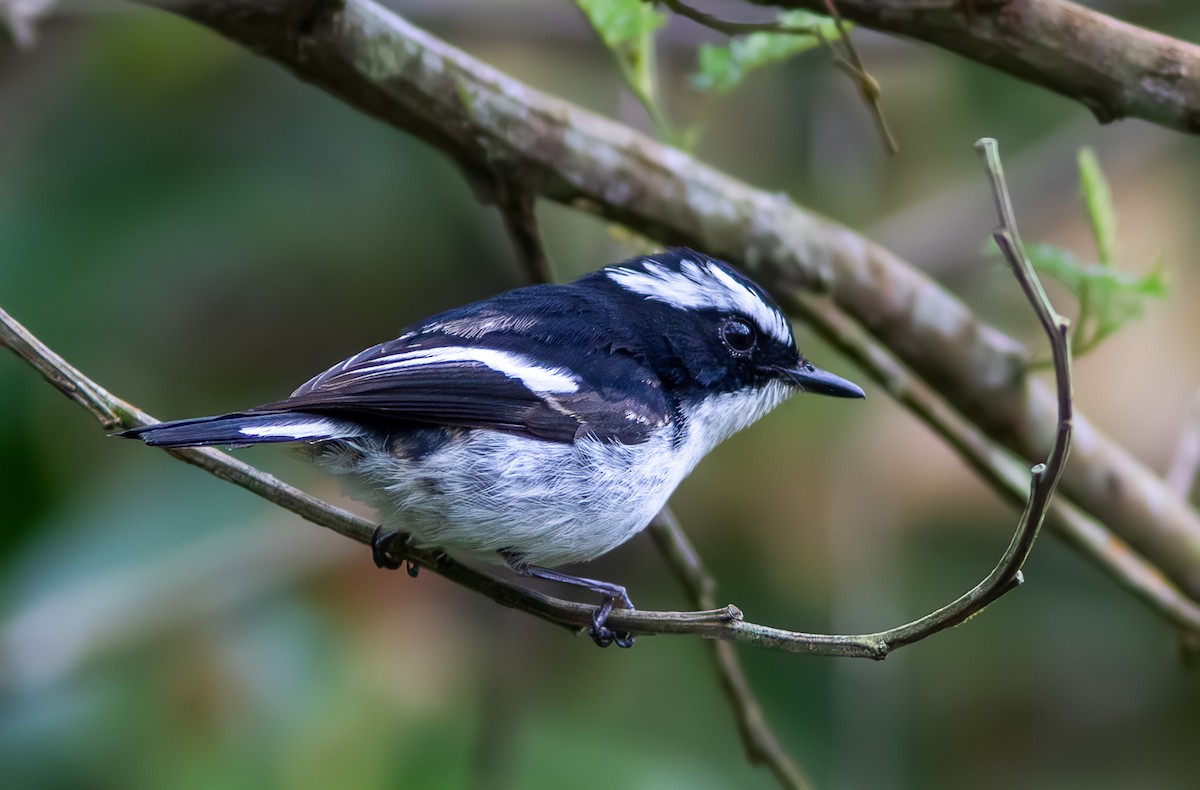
1044,477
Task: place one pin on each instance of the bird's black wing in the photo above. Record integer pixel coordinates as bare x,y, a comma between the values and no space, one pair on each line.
436,377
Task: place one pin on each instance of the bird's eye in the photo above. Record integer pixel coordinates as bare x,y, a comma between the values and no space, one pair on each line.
739,336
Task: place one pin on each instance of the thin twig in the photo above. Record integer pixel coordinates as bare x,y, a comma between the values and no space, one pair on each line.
868,86
62,376
760,741
1043,477
1181,475
521,222
733,28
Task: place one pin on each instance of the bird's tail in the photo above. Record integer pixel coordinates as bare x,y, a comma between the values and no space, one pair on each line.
243,428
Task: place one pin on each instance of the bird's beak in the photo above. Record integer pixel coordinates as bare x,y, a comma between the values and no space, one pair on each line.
813,379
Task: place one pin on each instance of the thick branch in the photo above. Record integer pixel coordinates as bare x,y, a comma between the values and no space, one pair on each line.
1115,69
491,123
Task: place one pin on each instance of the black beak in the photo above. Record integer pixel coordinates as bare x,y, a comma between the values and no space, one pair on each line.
813,379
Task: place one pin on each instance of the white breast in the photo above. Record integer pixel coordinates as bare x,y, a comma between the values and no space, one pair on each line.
553,503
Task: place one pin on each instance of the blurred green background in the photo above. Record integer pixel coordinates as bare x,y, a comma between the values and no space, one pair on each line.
199,231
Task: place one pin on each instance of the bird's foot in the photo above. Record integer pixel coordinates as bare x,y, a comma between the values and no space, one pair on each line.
614,597
604,636
381,548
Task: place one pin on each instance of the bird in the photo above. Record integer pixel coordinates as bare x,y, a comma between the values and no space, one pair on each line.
546,425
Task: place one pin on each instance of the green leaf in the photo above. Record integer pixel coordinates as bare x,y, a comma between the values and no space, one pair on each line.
621,22
627,28
717,70
1097,203
1108,297
1058,263
1063,266
720,69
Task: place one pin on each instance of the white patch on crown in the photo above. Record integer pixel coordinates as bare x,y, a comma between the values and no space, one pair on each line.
702,285
516,366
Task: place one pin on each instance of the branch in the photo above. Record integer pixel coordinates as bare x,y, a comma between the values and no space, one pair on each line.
19,20
520,220
761,744
1181,474
1115,69
486,121
731,28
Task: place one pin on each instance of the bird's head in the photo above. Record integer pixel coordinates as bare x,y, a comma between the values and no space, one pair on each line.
707,329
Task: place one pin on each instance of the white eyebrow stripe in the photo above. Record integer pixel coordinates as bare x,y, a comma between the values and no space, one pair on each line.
702,285
536,378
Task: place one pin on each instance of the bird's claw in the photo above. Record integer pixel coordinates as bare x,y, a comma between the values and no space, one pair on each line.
381,551
381,544
604,636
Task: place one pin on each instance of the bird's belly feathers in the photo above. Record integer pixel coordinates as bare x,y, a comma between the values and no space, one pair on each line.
485,491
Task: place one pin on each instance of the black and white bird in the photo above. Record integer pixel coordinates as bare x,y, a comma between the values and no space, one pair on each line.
546,425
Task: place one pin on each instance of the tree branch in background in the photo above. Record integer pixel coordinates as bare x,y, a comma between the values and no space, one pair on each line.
761,744
19,20
489,122
520,220
1181,475
1115,69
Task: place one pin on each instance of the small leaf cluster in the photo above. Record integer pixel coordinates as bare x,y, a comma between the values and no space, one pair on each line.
722,68
1108,297
621,23
628,28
